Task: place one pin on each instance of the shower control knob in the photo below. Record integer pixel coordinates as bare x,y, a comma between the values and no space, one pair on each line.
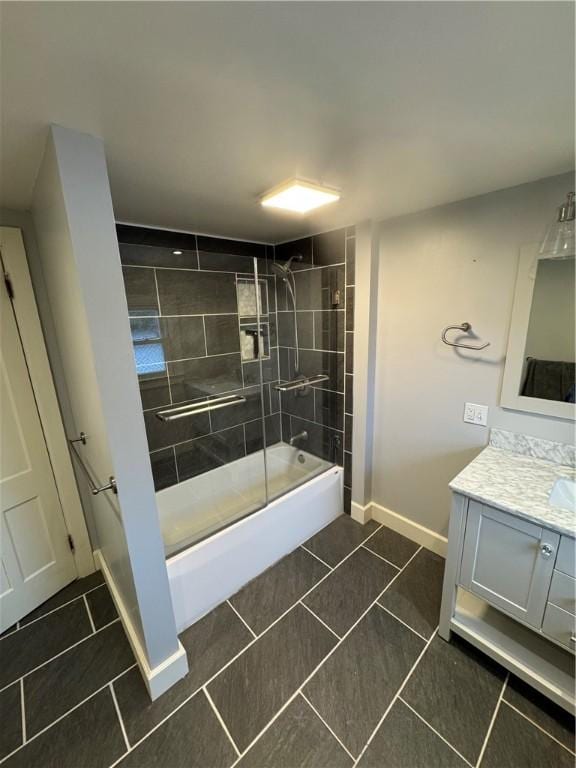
546,550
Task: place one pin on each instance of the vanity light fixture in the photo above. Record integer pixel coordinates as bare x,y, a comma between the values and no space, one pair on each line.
299,196
558,242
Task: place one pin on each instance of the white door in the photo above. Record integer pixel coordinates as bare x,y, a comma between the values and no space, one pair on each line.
35,556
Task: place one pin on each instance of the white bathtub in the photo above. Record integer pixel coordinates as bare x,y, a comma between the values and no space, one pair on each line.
208,572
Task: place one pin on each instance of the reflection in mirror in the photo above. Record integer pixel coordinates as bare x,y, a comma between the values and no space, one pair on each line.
549,370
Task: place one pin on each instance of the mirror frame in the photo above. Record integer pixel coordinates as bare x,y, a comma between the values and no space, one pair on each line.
514,366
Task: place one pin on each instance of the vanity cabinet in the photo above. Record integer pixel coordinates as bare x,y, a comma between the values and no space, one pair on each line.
508,561
509,589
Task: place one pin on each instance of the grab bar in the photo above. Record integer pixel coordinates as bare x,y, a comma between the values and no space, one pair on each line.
203,406
95,488
466,327
301,383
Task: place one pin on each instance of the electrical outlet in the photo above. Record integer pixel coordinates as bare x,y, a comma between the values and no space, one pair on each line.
476,414
469,412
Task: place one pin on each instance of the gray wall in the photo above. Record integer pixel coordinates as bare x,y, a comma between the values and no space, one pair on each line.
448,265
78,250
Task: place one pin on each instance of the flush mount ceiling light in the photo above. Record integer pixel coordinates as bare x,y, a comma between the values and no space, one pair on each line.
299,196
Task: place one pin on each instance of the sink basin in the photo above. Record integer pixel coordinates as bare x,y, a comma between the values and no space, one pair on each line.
563,494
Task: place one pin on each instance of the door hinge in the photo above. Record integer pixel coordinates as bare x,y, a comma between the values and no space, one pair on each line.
71,543
8,284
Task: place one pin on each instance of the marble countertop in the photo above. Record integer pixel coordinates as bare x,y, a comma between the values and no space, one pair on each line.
518,484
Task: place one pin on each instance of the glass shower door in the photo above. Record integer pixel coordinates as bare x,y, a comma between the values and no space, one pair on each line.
221,397
201,342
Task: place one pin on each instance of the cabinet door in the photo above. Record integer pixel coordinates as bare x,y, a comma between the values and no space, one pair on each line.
508,562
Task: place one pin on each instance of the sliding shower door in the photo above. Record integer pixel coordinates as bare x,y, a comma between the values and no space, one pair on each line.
202,329
315,338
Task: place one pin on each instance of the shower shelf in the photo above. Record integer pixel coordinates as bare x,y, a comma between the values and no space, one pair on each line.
301,383
191,409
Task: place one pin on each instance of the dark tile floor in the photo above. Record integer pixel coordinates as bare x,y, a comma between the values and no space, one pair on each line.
329,659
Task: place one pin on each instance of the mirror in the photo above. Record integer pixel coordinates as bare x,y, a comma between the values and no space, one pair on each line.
549,361
540,372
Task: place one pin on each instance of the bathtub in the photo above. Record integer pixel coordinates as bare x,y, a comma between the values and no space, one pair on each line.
234,543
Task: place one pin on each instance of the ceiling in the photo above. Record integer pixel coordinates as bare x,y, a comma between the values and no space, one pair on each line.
204,106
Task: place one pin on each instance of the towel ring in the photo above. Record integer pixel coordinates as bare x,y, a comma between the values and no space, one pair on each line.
466,327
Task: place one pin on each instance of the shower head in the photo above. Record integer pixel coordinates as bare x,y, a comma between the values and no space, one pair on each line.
283,270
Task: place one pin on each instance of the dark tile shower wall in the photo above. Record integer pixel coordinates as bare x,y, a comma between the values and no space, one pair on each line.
184,317
182,299
325,324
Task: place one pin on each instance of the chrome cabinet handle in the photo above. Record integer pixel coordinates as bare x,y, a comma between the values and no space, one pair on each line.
573,640
546,550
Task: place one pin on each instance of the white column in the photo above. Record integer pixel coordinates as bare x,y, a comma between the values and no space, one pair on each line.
365,327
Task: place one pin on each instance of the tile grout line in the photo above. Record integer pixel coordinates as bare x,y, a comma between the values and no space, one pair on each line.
61,653
23,711
160,316
395,697
243,275
221,720
301,693
252,642
332,650
69,711
397,567
117,708
427,724
313,708
48,613
316,556
205,337
89,615
402,622
540,728
318,618
228,663
202,270
238,654
157,293
492,721
243,620
198,314
326,575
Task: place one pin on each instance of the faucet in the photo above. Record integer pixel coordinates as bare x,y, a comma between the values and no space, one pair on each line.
300,436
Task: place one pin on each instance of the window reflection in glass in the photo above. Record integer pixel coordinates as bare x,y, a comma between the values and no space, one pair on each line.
147,343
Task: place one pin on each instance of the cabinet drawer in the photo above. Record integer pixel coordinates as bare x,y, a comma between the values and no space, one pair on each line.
566,560
563,592
559,624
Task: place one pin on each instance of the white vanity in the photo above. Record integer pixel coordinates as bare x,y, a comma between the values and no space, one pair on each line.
510,579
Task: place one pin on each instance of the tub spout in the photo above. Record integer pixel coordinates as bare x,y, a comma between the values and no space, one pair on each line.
300,436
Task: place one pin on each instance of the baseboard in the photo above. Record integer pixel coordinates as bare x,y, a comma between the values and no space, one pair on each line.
412,530
361,514
157,679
